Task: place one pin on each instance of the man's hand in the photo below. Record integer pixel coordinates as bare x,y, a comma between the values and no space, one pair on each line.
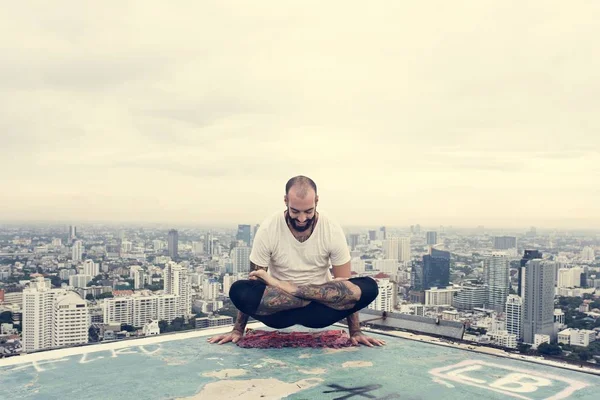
233,336
359,337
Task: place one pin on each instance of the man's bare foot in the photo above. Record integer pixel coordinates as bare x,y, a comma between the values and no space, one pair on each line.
264,276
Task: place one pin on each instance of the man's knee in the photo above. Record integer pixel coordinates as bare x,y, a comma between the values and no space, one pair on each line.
368,288
246,295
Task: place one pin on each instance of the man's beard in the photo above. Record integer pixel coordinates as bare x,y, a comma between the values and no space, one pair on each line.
294,223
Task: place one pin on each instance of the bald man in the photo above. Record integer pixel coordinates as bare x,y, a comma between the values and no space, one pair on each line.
290,281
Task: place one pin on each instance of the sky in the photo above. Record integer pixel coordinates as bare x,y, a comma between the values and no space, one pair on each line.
197,112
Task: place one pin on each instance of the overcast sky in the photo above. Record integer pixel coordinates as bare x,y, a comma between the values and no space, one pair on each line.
456,113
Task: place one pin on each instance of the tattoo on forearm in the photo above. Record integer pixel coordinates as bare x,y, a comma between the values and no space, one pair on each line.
240,322
353,323
274,300
341,295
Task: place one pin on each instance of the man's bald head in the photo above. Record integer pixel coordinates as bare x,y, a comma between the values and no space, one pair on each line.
301,185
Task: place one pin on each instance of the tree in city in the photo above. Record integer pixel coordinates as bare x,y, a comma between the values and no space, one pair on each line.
523,348
56,281
584,355
547,349
6,317
128,328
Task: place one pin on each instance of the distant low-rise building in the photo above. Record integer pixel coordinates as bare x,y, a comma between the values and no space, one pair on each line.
151,328
212,321
504,339
540,338
577,337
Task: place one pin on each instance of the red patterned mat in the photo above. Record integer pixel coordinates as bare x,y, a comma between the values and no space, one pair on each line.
260,339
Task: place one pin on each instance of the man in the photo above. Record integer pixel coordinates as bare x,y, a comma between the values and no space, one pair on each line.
299,245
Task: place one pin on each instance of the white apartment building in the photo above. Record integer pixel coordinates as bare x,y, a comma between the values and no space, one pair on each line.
64,273
240,259
440,296
79,281
210,322
91,268
210,289
577,337
540,338
70,321
52,317
387,266
77,251
504,339
588,254
151,328
228,280
569,277
177,283
514,315
137,310
397,248
385,298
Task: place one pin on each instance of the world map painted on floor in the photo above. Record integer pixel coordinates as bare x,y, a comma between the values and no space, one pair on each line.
194,369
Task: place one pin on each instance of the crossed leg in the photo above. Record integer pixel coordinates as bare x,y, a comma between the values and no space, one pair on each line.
280,295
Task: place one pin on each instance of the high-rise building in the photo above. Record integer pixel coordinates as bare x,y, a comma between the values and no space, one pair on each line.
70,320
91,268
505,242
440,296
397,249
209,244
79,281
46,323
496,275
173,244
431,238
176,282
139,277
138,310
436,269
72,232
514,315
527,256
470,297
353,240
210,289
126,246
538,299
372,235
385,298
158,245
387,266
228,280
244,234
570,277
240,258
588,254
77,251
198,247
382,233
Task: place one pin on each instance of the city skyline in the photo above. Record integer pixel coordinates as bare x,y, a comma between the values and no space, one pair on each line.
488,119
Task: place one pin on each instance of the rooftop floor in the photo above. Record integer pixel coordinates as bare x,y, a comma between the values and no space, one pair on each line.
184,365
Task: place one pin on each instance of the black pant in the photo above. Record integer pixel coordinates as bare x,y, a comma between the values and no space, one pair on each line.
246,296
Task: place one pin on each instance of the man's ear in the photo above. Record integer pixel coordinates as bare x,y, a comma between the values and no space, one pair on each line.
316,200
285,199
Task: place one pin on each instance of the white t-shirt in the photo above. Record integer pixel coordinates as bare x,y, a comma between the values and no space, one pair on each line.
301,263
